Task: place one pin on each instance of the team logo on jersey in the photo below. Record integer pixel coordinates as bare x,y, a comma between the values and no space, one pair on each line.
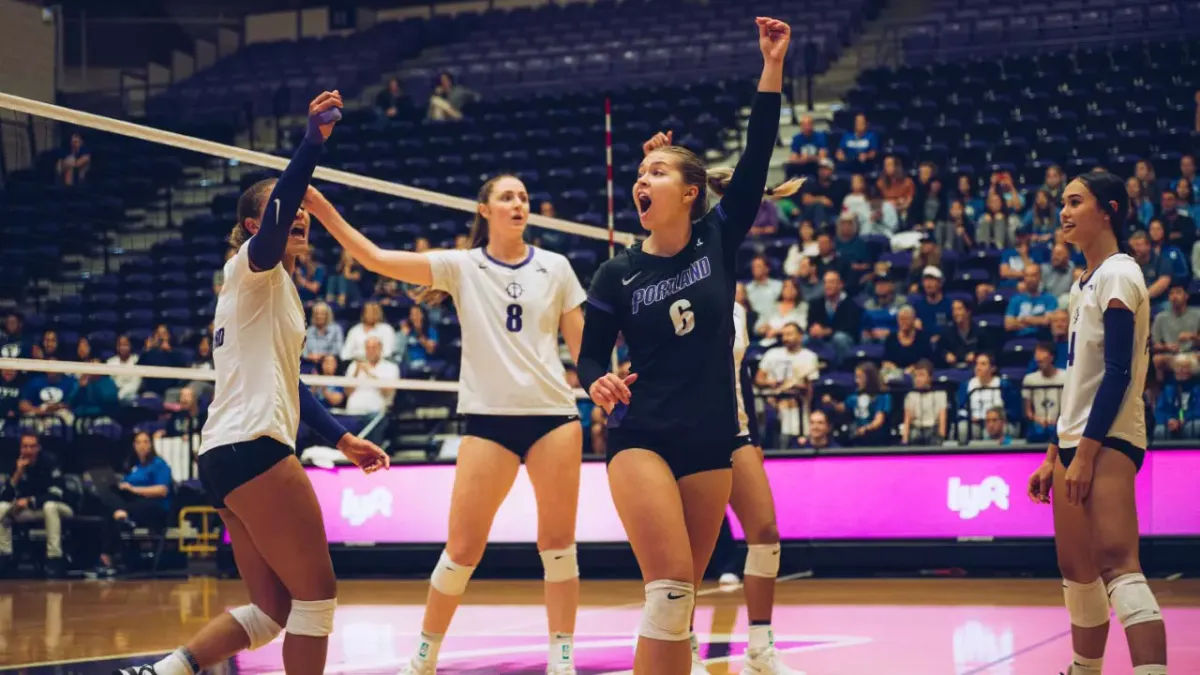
514,290
693,274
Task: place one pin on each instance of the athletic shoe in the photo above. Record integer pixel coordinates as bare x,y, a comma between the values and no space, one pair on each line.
415,667
560,669
766,662
698,665
147,669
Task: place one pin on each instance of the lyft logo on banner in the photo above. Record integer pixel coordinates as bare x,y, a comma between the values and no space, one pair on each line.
357,510
969,501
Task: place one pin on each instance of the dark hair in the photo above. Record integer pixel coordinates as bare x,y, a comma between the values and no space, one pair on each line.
134,461
1045,346
250,205
478,234
715,180
1111,198
874,383
926,365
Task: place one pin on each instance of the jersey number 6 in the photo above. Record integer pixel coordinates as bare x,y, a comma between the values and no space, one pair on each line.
683,317
513,323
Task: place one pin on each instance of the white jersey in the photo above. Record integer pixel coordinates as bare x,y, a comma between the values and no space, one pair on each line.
510,317
260,333
1117,278
741,340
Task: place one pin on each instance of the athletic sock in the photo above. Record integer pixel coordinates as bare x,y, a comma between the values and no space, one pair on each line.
175,663
1082,665
427,651
562,648
1150,669
761,637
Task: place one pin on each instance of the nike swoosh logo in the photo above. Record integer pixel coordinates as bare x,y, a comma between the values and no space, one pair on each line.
559,557
672,596
626,282
277,208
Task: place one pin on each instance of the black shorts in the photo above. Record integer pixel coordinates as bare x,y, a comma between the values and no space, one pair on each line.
515,433
1133,452
684,456
225,468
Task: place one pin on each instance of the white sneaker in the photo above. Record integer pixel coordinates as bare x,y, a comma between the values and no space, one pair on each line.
766,662
415,667
698,665
561,669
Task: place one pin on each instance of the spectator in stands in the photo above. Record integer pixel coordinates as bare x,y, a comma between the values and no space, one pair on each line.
895,186
819,436
184,417
956,233
1175,330
219,275
1041,220
329,395
1144,172
1059,274
927,254
1187,170
309,275
160,352
960,341
904,347
417,343
34,493
371,325
998,224
47,394
766,222
141,500
762,292
869,407
879,315
926,410
980,394
929,199
995,428
83,350
1002,184
852,251
835,320
1155,269
812,288
96,395
48,348
740,297
10,397
1054,185
1178,410
789,371
366,399
790,309
1185,191
1181,228
1141,209
822,198
808,147
1022,255
345,286
1028,313
1168,251
1042,393
933,307
13,343
390,103
202,360
324,335
76,161
449,99
127,385
966,192
858,202
859,150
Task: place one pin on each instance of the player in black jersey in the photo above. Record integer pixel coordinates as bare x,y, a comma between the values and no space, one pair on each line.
673,423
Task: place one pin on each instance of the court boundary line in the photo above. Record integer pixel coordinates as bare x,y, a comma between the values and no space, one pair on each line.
1018,652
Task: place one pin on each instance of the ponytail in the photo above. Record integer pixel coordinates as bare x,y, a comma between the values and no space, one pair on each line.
249,207
718,183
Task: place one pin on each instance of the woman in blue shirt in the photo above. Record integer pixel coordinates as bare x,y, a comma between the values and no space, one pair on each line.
141,500
869,408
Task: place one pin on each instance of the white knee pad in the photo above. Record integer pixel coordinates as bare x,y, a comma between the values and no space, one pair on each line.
313,618
667,615
261,628
561,564
762,560
1086,603
1132,599
450,578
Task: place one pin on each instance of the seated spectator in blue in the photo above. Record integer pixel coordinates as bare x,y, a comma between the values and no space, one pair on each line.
330,396
821,199
1028,313
981,393
1060,335
184,418
1059,274
820,433
1042,393
1155,269
48,347
1179,224
1178,411
879,315
160,352
1141,207
13,342
852,250
926,410
959,342
906,346
141,500
1187,170
995,428
1175,330
808,147
345,286
417,341
96,395
1023,253
966,192
10,397
309,275
835,320
997,226
859,150
1041,219
869,407
1185,191
932,308
1169,252
48,394
324,335
1003,185
75,162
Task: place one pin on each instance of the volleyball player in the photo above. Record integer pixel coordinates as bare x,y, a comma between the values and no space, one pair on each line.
247,456
513,300
1101,439
753,504
672,436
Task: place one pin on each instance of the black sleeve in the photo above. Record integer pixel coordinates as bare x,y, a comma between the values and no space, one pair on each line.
269,243
739,206
748,401
600,327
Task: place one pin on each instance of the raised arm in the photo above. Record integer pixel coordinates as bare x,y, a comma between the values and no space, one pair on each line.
406,266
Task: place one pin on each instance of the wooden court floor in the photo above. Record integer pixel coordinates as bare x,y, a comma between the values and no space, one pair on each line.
824,627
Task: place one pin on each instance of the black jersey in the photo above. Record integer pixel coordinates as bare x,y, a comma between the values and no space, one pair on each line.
677,312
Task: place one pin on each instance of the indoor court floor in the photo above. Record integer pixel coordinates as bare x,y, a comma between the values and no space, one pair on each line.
823,627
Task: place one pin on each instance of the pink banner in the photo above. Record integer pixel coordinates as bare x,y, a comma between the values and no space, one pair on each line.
978,495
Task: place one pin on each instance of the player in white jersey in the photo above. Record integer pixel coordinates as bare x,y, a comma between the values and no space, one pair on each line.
1101,437
247,459
513,300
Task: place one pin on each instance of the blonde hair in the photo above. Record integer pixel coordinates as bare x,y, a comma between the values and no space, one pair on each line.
249,206
716,181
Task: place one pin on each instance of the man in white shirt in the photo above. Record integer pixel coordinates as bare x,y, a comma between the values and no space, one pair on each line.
1042,392
367,399
762,292
790,370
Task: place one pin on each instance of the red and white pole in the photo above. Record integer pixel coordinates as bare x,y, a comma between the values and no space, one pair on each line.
608,142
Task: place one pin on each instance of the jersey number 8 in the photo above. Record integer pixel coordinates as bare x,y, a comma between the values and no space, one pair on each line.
683,317
513,323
